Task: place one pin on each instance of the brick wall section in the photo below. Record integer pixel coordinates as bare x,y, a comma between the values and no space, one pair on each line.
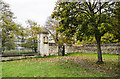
106,48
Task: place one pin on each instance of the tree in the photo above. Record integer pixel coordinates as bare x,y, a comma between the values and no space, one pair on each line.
52,26
31,31
85,19
115,20
10,29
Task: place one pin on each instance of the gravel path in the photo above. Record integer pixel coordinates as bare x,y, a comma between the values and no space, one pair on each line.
14,58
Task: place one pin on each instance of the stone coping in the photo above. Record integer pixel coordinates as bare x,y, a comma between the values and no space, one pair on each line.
50,44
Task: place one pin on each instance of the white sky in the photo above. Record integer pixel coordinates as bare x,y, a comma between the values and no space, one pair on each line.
36,10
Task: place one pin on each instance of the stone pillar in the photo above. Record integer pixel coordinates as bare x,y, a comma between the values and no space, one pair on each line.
43,43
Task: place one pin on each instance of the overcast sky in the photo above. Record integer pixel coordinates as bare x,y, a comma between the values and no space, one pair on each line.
37,10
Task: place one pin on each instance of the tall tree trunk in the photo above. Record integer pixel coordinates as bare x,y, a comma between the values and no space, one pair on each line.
3,42
56,37
99,52
35,49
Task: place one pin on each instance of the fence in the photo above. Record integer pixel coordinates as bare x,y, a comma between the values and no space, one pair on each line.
17,50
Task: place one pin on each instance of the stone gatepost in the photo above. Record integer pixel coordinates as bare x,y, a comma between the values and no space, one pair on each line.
43,43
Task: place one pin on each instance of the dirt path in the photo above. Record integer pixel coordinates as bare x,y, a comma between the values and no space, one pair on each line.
14,58
78,60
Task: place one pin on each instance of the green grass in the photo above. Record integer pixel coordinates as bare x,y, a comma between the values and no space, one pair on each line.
57,66
92,54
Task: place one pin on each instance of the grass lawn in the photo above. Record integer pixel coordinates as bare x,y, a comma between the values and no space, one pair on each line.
71,65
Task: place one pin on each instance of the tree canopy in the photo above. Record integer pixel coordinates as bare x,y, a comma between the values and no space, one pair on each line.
30,35
10,29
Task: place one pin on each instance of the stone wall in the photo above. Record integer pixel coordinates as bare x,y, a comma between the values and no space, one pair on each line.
106,48
53,49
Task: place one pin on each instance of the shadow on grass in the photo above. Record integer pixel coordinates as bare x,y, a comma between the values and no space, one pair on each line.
60,77
52,56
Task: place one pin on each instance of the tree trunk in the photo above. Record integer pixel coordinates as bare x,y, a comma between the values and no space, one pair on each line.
98,39
35,49
56,41
3,42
